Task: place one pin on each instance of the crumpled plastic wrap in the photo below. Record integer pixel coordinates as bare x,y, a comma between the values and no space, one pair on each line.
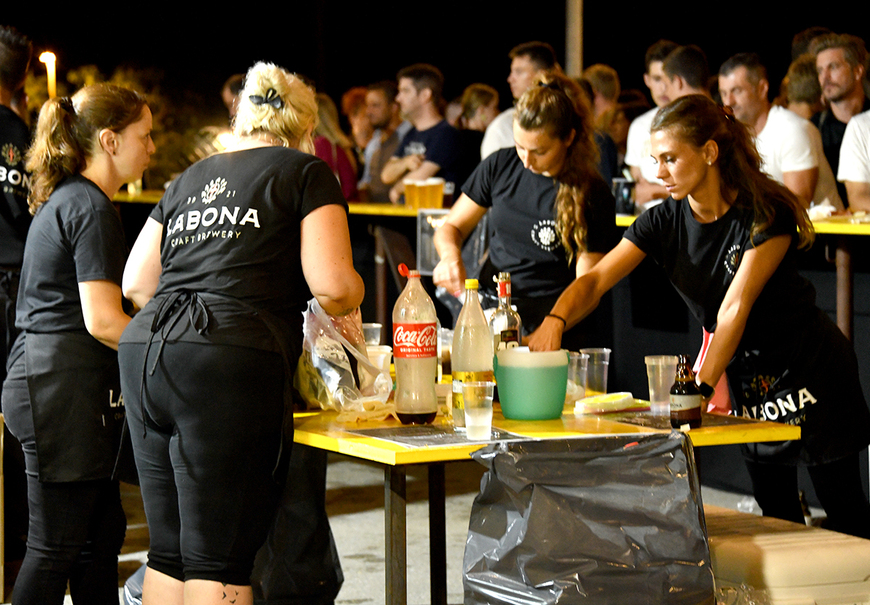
334,370
598,520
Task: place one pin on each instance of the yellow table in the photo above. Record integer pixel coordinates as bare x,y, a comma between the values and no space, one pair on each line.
322,430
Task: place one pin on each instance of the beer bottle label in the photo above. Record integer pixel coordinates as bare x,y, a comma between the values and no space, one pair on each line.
682,403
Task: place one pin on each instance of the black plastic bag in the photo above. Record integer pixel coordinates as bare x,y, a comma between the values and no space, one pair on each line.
599,520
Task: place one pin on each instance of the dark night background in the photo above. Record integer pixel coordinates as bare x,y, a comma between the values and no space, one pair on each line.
343,44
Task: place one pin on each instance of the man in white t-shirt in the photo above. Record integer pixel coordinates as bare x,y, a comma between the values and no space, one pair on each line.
637,150
527,61
790,149
854,168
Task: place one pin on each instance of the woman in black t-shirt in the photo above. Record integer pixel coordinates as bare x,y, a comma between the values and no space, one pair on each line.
726,239
223,269
552,214
61,398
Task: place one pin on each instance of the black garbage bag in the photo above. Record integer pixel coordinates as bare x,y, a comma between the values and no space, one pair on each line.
600,520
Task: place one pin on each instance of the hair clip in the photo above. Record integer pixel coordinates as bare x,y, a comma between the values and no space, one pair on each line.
729,113
550,85
271,98
67,104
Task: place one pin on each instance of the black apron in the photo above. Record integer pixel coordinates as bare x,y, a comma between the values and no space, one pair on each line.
78,412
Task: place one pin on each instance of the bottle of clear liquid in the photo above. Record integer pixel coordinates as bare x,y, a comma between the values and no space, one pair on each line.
506,326
415,341
685,397
472,349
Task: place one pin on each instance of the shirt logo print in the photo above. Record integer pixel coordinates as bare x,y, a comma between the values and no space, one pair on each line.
732,259
544,234
213,189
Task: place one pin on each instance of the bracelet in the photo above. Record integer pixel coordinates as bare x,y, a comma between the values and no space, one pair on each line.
562,319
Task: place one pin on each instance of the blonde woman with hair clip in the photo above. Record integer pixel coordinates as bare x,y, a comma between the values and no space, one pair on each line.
222,270
61,398
552,215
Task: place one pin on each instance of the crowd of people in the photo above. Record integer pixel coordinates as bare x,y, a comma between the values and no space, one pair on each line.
199,324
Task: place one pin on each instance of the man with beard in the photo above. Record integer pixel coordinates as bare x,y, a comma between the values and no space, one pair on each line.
384,114
841,60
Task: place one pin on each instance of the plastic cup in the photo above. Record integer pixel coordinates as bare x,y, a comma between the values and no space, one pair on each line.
380,356
477,397
596,371
660,371
372,333
577,364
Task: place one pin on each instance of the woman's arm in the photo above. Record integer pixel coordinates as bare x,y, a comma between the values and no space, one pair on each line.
586,261
756,268
142,271
327,260
449,273
581,297
103,312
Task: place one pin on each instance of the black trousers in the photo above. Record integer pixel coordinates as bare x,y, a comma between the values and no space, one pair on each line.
837,484
206,426
76,529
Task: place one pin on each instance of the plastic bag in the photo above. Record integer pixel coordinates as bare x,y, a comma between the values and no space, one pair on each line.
597,520
334,370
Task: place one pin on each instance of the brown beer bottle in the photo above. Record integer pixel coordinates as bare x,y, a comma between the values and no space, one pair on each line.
685,397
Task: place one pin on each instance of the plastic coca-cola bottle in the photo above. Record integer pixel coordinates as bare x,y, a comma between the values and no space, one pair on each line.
415,341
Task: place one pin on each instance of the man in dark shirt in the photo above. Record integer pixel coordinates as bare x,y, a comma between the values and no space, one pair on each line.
15,53
841,61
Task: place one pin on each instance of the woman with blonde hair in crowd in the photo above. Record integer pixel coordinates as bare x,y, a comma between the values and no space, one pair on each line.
479,106
61,398
334,147
223,269
727,239
552,215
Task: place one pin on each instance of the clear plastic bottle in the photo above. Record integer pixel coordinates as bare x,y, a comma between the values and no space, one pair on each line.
472,349
415,341
506,326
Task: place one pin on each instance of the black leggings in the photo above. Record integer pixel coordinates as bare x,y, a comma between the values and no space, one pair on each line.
206,435
76,528
837,484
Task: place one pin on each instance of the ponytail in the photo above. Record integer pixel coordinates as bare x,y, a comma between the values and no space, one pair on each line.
558,105
67,134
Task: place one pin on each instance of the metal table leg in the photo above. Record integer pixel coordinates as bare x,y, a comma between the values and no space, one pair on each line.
845,286
437,536
395,540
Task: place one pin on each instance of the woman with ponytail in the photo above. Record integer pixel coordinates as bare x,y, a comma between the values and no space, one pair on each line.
552,214
61,398
727,239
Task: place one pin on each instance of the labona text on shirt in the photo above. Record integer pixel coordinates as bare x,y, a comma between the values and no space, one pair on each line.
219,221
788,408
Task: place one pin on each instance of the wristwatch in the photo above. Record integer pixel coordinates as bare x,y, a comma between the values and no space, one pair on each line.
707,391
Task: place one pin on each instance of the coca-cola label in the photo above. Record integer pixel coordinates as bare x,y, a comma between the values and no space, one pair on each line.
412,341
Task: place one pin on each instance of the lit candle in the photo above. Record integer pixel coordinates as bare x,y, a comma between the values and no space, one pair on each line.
51,73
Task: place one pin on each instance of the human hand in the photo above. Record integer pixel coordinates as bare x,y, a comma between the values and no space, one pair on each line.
396,192
413,161
548,336
450,274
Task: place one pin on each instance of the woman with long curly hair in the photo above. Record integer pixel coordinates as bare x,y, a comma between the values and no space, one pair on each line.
552,214
726,237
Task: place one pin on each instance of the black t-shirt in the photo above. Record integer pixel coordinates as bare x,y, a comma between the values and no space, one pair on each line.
523,239
701,260
76,236
231,228
833,131
440,144
14,216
